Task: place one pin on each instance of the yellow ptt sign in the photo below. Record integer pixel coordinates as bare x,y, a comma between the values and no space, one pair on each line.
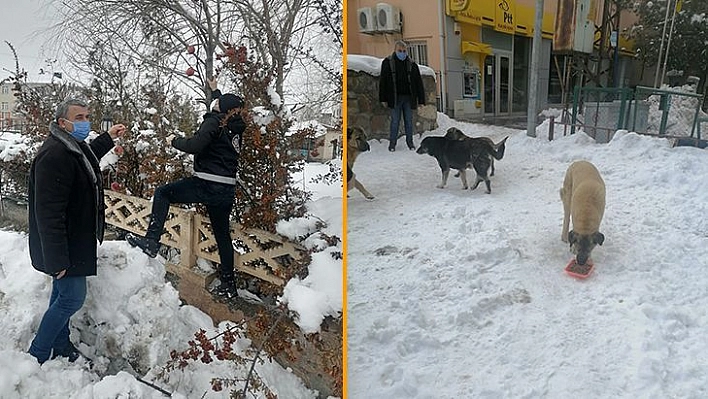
504,16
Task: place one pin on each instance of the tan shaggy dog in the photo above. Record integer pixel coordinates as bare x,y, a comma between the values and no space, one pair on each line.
356,144
583,196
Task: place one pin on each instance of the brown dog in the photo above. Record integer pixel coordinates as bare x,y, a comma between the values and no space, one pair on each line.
583,196
356,144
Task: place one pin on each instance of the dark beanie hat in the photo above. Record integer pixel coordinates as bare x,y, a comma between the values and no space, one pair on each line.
229,101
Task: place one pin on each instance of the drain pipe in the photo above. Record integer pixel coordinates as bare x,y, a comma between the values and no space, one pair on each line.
441,32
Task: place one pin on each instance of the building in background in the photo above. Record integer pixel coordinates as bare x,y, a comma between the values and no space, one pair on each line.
10,119
480,50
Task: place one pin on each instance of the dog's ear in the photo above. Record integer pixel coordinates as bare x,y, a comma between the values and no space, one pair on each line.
572,237
598,238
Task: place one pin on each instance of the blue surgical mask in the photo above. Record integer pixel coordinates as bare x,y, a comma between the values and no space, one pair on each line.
81,129
401,55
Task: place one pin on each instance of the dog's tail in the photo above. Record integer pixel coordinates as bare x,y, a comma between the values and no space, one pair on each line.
499,149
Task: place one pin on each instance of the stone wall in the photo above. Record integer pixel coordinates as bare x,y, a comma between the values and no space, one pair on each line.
365,110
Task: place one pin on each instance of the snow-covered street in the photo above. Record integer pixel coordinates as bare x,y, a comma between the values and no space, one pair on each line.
460,294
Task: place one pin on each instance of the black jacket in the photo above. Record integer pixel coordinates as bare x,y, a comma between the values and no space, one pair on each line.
66,205
216,149
405,71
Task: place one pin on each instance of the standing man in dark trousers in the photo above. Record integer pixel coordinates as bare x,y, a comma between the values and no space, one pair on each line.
66,218
216,146
401,89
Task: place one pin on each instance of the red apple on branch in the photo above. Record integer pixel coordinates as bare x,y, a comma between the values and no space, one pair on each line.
190,71
118,150
190,49
115,186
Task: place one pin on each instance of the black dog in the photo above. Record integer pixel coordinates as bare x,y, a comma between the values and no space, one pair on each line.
454,133
461,155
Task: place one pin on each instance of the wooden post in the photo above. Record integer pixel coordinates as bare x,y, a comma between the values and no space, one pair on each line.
550,128
189,239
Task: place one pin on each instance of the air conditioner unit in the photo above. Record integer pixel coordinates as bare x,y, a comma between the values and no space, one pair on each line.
367,20
388,17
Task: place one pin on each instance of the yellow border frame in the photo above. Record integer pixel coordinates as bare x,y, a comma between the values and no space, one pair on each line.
345,16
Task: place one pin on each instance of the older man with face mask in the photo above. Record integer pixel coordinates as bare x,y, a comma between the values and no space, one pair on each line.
66,219
401,89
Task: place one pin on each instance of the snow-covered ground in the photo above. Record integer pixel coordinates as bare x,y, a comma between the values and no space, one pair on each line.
131,313
460,294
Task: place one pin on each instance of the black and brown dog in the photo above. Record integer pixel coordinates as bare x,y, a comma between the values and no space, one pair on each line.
463,153
356,144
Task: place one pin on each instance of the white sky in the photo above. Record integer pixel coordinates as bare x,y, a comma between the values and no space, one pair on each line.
24,24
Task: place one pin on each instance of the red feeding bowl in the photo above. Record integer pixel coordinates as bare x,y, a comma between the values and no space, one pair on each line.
579,271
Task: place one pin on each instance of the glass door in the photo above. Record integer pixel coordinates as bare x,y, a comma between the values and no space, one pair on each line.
497,84
489,84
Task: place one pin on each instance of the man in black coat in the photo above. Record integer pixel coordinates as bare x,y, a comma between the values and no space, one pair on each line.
216,146
66,218
401,89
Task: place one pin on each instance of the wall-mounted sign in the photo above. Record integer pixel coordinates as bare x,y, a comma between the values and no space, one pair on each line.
504,16
459,5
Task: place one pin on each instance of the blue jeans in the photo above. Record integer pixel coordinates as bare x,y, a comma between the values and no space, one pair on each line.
219,201
403,105
68,295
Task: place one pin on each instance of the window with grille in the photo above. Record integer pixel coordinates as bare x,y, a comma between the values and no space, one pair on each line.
418,52
6,90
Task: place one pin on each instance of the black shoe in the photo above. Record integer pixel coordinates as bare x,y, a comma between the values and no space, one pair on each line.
70,352
411,147
149,247
391,149
226,289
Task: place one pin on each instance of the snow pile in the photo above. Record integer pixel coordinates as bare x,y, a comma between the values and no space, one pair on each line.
320,293
130,322
458,294
372,65
682,111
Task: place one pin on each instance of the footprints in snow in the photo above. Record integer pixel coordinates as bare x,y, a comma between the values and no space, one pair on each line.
389,250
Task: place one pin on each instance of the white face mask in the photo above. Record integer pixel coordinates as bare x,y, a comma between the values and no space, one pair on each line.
214,105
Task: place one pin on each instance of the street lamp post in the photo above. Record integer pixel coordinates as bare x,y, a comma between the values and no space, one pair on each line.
106,123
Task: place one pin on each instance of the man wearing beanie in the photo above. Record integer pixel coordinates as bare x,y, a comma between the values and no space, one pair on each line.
216,152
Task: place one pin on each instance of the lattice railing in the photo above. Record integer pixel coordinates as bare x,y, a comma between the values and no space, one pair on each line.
256,252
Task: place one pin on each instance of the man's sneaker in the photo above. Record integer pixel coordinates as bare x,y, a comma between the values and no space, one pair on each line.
70,352
226,289
149,247
392,149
